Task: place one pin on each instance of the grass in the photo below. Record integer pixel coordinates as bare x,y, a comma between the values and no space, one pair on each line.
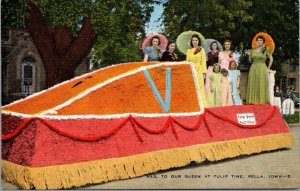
292,118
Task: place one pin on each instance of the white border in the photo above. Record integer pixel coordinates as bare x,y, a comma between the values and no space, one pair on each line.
113,116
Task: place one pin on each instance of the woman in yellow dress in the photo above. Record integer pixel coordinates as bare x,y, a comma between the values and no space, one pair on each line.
196,55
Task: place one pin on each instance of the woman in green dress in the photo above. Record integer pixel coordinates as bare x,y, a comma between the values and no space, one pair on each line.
214,89
257,89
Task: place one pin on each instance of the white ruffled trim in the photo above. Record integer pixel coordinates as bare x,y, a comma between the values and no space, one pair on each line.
108,117
113,116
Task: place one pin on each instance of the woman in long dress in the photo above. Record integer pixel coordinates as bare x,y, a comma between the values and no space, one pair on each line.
226,96
257,88
212,58
234,76
196,55
227,55
214,89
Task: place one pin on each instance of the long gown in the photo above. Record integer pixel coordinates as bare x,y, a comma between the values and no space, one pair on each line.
234,75
257,88
212,58
199,61
226,96
214,97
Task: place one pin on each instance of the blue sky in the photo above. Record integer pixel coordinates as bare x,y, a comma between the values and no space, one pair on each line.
154,25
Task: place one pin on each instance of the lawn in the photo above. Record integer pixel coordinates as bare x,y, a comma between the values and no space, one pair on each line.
293,118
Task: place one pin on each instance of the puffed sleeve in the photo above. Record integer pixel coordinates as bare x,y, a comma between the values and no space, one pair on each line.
203,61
238,73
147,51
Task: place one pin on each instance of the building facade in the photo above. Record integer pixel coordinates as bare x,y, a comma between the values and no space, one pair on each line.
22,67
289,75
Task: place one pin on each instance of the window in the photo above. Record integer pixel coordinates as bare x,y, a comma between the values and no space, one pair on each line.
5,35
28,75
292,68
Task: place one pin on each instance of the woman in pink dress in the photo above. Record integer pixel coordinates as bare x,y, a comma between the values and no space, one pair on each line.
227,55
226,96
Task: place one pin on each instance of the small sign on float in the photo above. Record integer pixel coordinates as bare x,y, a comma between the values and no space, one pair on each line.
246,118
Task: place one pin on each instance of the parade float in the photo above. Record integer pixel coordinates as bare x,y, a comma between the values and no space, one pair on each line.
125,121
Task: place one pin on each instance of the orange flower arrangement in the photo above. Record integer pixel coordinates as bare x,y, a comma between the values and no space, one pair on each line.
131,94
65,91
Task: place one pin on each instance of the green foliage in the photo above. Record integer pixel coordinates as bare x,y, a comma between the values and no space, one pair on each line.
13,13
121,38
280,20
119,24
66,13
239,21
213,18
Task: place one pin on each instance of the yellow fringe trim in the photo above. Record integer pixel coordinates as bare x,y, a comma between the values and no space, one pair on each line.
99,171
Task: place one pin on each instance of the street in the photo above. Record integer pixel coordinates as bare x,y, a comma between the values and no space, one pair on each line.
273,170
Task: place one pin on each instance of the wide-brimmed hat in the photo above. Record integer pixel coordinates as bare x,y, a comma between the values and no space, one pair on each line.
268,41
184,41
208,43
163,41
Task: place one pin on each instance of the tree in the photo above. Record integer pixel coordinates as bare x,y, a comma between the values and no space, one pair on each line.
213,18
60,53
122,40
117,25
238,20
280,20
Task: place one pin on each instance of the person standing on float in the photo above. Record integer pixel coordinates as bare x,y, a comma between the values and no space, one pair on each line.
215,87
169,54
226,97
212,58
234,76
197,56
153,52
257,88
227,55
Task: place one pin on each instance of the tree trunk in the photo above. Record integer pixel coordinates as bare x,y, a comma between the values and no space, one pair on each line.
60,53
